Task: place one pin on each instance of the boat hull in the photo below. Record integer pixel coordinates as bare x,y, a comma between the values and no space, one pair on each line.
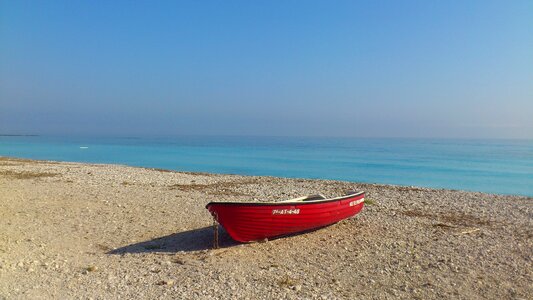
246,222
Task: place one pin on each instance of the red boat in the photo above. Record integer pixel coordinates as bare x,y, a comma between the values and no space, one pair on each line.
246,222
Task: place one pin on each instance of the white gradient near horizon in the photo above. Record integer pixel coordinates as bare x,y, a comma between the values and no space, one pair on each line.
314,68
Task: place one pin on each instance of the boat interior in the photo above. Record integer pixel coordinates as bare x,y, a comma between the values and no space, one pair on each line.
304,199
312,197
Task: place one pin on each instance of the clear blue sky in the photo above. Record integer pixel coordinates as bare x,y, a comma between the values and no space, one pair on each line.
325,68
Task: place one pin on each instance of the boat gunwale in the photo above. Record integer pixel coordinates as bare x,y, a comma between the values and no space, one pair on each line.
286,202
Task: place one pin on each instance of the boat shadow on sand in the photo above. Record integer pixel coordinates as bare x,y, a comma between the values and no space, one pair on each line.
188,241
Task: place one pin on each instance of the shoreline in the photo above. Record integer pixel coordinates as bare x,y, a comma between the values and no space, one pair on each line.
385,185
76,230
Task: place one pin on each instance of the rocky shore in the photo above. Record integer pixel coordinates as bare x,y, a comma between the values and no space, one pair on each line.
88,231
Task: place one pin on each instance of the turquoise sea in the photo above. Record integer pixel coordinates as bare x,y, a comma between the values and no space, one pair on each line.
493,166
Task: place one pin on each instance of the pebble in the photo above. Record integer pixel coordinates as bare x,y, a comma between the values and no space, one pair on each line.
92,268
165,282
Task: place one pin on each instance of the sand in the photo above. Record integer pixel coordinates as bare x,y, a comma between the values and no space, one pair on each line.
89,231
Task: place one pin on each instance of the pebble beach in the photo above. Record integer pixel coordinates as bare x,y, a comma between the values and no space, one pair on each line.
96,231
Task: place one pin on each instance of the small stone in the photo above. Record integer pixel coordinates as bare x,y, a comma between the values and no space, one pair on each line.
92,268
165,282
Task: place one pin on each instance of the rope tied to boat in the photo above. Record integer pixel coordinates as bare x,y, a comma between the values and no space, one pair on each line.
215,232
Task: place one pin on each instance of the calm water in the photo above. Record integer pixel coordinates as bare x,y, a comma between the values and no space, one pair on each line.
494,166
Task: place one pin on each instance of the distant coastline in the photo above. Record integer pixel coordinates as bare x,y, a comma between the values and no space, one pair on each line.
19,135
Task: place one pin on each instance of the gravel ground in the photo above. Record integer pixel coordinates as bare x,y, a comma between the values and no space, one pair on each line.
85,231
